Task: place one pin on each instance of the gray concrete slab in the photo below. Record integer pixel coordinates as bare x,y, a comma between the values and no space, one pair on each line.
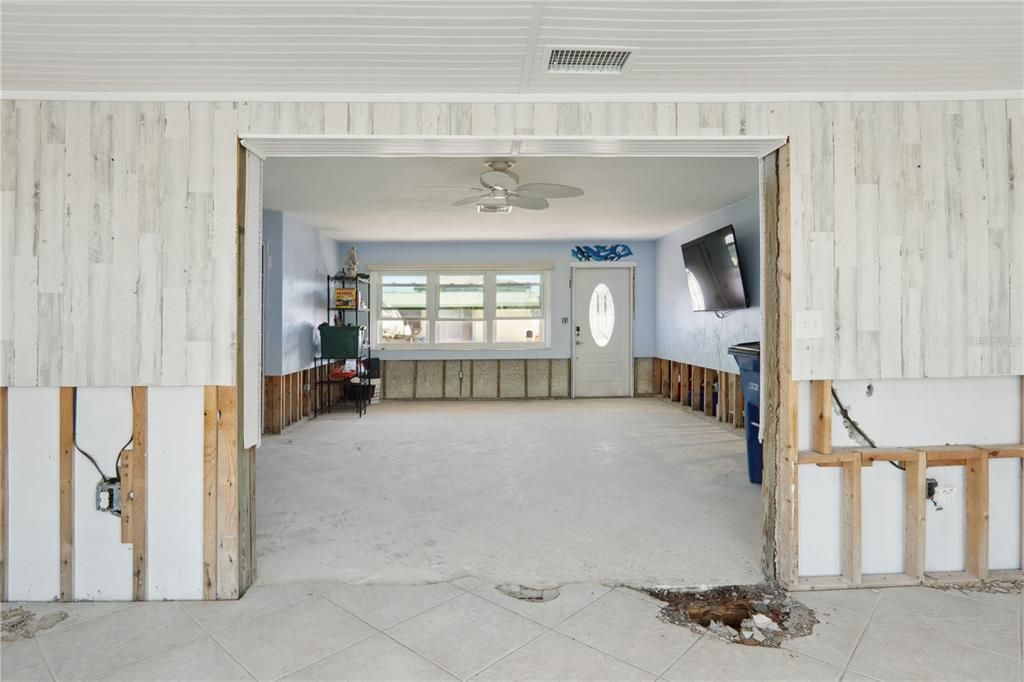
512,378
530,491
398,379
430,378
538,378
560,378
485,378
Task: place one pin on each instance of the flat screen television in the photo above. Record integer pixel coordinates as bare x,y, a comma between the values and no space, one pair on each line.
713,275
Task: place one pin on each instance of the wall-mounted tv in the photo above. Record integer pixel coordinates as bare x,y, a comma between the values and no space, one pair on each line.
712,267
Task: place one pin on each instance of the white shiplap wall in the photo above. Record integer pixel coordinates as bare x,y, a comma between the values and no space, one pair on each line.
118,235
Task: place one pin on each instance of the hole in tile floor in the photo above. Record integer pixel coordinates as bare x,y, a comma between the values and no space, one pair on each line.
20,623
754,615
524,593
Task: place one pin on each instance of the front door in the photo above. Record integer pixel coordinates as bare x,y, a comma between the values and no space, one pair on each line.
602,332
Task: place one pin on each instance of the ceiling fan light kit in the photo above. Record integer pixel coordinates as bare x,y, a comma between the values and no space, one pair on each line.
502,191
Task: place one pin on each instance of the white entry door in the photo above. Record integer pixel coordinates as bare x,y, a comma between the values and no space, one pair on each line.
602,325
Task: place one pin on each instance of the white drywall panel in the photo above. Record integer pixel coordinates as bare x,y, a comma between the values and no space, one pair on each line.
175,493
882,516
1004,531
946,529
820,507
103,564
909,412
34,494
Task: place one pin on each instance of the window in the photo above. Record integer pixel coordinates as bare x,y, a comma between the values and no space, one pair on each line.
403,309
464,308
518,308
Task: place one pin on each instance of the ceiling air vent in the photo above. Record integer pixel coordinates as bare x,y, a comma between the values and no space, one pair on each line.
576,60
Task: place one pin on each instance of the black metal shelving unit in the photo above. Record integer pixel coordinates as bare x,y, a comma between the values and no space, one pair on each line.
351,394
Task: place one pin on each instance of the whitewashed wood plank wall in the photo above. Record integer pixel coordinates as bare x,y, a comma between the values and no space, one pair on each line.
118,250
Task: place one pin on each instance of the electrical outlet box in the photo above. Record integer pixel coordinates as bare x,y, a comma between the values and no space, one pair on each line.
108,497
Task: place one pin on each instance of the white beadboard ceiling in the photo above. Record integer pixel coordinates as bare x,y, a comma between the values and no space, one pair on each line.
688,49
409,199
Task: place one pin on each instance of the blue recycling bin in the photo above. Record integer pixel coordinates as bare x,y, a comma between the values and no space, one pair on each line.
748,357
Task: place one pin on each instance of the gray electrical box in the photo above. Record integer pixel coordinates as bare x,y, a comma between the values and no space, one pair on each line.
108,497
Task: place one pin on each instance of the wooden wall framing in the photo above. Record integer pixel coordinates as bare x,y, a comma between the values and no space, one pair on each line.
779,405
67,493
915,462
228,489
715,393
4,517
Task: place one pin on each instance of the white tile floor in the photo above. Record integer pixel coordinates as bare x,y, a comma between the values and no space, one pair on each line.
466,629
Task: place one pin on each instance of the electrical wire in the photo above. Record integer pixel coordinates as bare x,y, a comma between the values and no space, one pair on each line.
74,440
847,419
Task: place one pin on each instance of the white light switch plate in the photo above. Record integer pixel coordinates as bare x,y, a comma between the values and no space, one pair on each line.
807,324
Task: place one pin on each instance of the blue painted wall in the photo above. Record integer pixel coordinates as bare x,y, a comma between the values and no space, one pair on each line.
702,338
297,260
557,254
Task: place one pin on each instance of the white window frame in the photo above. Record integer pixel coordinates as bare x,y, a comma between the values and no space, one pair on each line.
490,297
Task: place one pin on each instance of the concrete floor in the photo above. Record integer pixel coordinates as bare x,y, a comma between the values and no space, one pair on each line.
465,629
620,491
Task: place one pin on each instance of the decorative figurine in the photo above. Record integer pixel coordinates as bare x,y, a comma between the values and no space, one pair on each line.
351,263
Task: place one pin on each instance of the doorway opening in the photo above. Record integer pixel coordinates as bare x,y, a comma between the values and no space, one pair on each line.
476,477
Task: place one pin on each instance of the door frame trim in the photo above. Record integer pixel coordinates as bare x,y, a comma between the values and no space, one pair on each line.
624,265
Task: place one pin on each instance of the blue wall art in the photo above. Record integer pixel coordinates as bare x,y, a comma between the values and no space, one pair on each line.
599,252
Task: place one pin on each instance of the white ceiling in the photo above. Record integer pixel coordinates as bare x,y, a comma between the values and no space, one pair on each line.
276,49
394,199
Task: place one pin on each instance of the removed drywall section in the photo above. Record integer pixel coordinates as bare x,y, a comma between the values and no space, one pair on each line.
103,563
175,494
296,264
556,253
703,338
909,413
33,571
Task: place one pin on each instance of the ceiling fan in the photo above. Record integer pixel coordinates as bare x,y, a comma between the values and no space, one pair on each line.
501,191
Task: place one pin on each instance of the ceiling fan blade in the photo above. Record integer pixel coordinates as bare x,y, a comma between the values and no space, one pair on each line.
499,178
548,190
470,200
531,203
452,188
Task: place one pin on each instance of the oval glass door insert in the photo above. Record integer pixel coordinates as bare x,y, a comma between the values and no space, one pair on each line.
602,315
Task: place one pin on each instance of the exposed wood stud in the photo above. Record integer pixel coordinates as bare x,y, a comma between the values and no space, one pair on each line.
136,491
656,376
210,491
697,390
821,416
739,402
676,381
709,392
67,494
852,520
684,385
722,408
4,496
915,489
779,528
977,515
227,493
